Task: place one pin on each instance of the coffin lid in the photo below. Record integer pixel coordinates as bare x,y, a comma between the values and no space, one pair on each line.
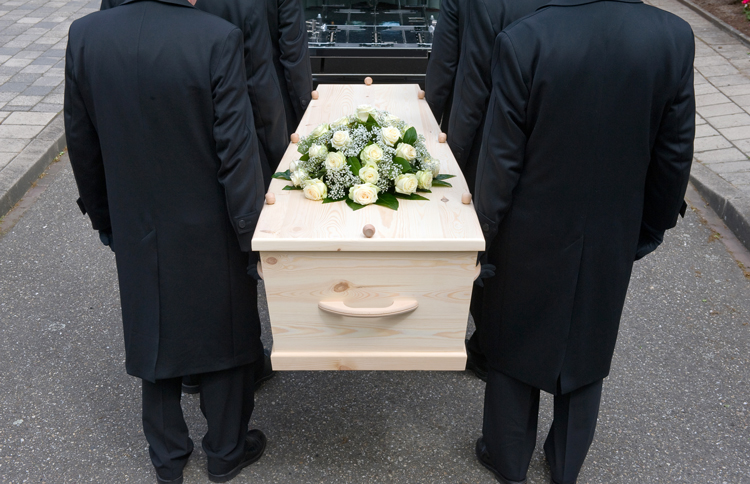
444,223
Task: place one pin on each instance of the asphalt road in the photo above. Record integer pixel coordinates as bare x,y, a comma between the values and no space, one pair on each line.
676,407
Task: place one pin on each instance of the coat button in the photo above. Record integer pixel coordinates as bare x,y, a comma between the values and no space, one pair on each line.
485,227
241,223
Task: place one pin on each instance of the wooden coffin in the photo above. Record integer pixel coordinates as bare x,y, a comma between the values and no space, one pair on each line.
396,301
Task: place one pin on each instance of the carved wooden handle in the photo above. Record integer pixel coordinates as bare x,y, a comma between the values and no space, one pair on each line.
368,81
466,198
340,308
420,94
270,198
314,94
294,138
442,137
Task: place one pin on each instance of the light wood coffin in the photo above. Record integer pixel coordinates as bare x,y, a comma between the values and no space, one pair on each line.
397,301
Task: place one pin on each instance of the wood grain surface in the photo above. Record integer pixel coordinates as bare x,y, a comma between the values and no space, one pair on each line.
294,223
431,337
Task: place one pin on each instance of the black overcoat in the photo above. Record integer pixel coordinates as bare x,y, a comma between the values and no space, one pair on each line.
589,133
473,77
291,56
161,141
443,63
262,82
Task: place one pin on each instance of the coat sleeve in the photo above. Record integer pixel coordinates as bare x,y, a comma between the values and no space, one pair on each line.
84,151
265,94
473,82
295,55
441,68
672,154
504,139
236,143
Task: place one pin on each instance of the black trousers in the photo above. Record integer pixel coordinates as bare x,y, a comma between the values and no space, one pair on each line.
511,409
227,403
474,344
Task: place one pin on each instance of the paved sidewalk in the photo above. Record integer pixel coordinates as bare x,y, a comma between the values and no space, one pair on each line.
33,37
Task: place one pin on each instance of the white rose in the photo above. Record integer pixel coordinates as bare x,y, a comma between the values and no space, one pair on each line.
371,154
342,121
390,135
369,174
317,151
406,152
320,131
391,119
425,179
293,166
298,176
314,189
364,194
406,183
364,111
335,161
340,140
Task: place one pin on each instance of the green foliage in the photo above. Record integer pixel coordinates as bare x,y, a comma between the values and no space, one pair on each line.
405,165
413,196
388,200
440,183
442,176
410,137
283,175
291,187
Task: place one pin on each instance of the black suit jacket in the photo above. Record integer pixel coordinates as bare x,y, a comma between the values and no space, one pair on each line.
589,133
473,78
263,86
163,149
441,68
291,56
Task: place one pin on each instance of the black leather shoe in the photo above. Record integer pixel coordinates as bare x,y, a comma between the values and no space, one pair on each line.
476,364
168,481
255,445
484,458
266,373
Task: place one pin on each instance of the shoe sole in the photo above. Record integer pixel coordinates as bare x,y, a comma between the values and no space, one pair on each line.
233,473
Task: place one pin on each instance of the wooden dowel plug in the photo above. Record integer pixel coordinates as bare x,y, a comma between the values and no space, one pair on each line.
368,230
466,198
420,94
270,198
294,137
368,81
442,137
314,94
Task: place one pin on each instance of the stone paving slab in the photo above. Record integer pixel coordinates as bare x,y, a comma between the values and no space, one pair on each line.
33,37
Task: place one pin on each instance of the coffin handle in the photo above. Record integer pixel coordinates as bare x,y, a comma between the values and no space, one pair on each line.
398,307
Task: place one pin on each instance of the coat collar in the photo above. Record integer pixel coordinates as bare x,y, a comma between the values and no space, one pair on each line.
573,3
181,3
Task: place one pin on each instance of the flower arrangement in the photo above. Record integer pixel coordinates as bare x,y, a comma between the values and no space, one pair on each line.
369,157
746,8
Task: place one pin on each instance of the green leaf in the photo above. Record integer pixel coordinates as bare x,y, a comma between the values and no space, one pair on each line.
405,165
283,175
388,200
332,200
354,205
413,196
440,183
291,187
301,149
444,177
354,164
422,190
410,137
304,157
370,123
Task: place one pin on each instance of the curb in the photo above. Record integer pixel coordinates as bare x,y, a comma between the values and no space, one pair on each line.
717,22
728,202
18,176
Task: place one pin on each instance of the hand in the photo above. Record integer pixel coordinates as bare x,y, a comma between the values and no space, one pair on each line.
486,271
648,240
107,239
252,266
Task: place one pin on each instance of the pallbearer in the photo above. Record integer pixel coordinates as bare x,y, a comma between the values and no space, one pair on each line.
584,164
161,141
286,21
